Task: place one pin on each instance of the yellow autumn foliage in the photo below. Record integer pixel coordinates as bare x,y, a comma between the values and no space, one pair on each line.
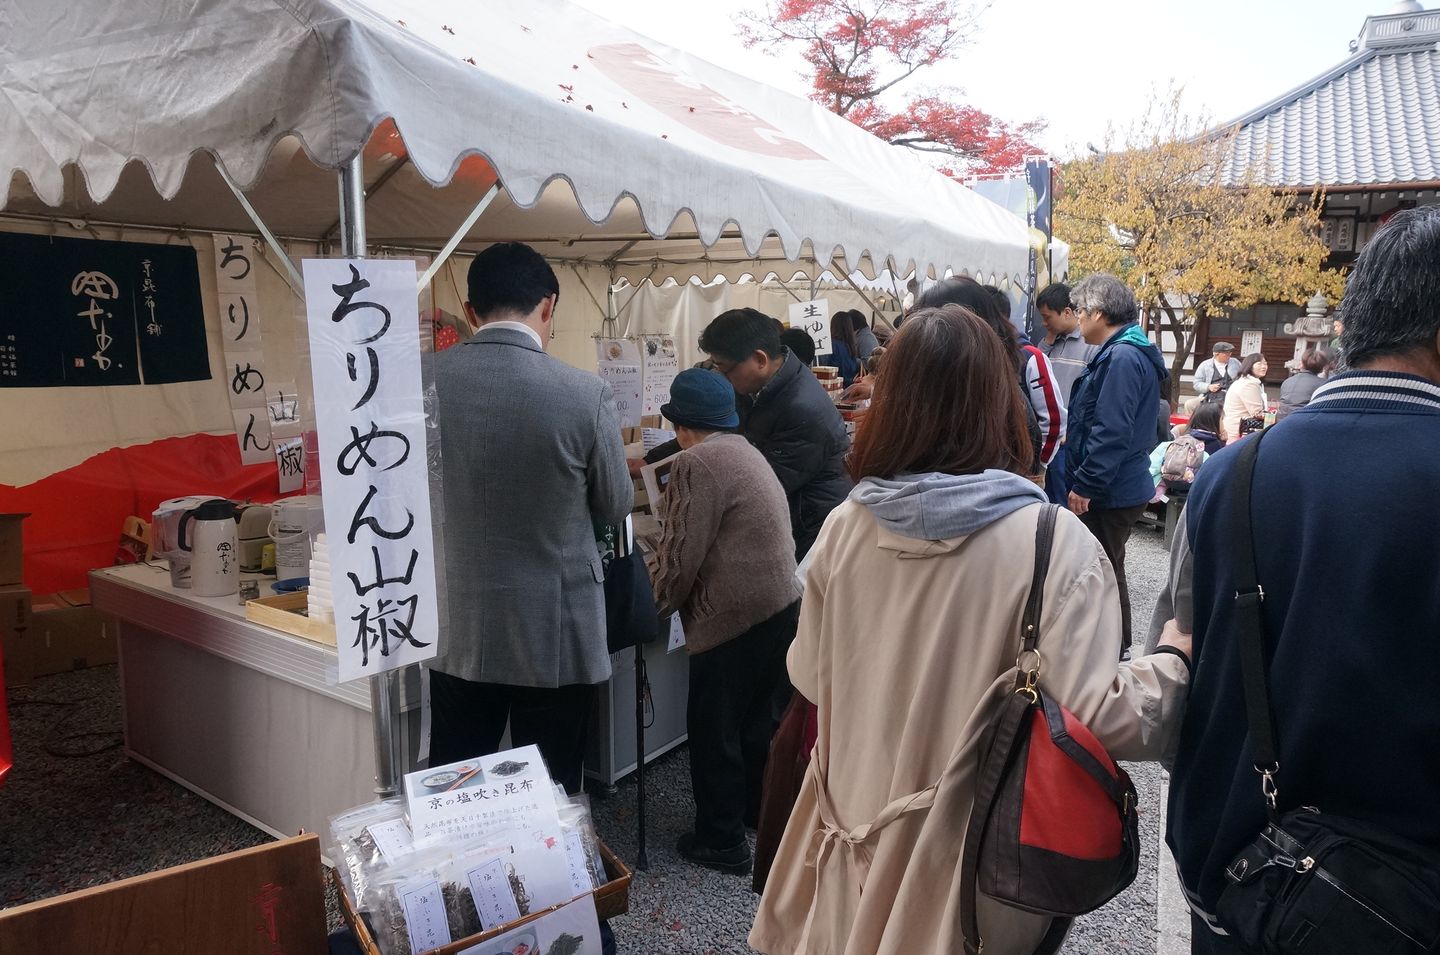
1151,209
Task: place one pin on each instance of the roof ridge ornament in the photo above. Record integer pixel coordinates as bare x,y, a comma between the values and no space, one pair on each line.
1405,23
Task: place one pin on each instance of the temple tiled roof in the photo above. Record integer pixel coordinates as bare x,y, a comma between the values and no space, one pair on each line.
1374,118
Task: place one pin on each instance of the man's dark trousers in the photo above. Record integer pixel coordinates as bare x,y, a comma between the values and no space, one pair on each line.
731,720
468,719
1112,528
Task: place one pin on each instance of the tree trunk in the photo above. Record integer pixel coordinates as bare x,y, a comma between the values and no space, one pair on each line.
1185,333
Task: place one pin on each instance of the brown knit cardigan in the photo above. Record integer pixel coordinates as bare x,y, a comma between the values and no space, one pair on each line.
726,559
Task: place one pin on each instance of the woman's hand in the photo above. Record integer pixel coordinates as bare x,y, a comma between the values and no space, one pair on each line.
859,391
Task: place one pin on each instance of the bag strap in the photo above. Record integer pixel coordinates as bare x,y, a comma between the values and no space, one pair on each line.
1035,604
1249,624
1005,734
1006,743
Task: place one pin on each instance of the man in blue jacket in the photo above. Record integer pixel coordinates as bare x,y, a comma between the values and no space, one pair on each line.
1112,423
1341,507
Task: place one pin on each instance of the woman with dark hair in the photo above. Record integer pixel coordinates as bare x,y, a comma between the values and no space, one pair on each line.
1175,463
1315,366
934,550
1032,368
843,348
1245,400
1207,424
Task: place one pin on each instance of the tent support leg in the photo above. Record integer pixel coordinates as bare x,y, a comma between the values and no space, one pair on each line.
291,274
384,687
460,234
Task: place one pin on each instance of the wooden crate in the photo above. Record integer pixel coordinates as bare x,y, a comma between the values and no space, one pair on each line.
279,613
253,902
612,900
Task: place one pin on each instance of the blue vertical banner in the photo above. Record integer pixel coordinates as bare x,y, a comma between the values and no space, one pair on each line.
1038,219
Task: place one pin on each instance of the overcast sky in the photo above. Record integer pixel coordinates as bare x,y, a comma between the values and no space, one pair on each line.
1079,64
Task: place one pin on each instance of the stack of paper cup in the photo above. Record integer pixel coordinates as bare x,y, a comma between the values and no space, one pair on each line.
321,603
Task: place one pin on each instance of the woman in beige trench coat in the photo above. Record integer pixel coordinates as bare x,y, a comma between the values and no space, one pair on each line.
909,633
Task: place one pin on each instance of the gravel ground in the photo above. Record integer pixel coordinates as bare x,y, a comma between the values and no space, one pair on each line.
72,821
1129,923
679,908
69,821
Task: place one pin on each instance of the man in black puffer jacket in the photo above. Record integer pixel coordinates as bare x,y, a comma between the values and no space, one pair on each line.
786,414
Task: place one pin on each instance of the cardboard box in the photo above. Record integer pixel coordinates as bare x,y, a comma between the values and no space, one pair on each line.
15,642
66,633
11,549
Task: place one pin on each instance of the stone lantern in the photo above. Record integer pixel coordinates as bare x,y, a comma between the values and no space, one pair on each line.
1313,328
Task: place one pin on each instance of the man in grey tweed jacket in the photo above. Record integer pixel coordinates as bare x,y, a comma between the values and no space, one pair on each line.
532,457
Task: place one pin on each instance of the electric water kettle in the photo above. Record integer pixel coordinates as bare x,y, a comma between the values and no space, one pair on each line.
214,551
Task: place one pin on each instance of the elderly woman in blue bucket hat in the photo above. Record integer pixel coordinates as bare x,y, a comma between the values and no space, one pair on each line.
726,564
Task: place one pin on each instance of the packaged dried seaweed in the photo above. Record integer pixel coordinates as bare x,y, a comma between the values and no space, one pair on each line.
367,837
414,905
581,844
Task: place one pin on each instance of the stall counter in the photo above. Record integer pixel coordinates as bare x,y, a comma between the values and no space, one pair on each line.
246,716
253,719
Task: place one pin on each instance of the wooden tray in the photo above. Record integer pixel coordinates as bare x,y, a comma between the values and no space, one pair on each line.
611,901
279,613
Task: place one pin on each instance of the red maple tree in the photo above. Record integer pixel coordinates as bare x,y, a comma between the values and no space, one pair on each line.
859,50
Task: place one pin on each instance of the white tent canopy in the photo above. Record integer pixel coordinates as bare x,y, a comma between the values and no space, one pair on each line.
611,149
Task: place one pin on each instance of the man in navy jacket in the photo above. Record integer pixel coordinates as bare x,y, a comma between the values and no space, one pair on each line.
1112,423
1342,509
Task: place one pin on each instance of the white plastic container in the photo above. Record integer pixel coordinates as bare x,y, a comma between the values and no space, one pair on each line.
297,520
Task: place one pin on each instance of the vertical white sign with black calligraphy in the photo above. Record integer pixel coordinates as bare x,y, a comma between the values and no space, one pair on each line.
363,316
814,317
245,373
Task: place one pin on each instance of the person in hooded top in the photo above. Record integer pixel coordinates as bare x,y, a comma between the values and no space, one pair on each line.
934,550
1112,425
865,340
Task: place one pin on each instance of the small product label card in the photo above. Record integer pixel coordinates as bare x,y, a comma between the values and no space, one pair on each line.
494,899
425,915
392,839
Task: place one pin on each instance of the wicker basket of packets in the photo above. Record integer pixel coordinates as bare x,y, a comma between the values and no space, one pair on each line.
487,856
518,937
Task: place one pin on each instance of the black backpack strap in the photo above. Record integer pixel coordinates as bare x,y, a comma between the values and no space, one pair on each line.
1249,625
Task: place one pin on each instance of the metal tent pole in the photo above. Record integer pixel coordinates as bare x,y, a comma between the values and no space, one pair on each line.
384,687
